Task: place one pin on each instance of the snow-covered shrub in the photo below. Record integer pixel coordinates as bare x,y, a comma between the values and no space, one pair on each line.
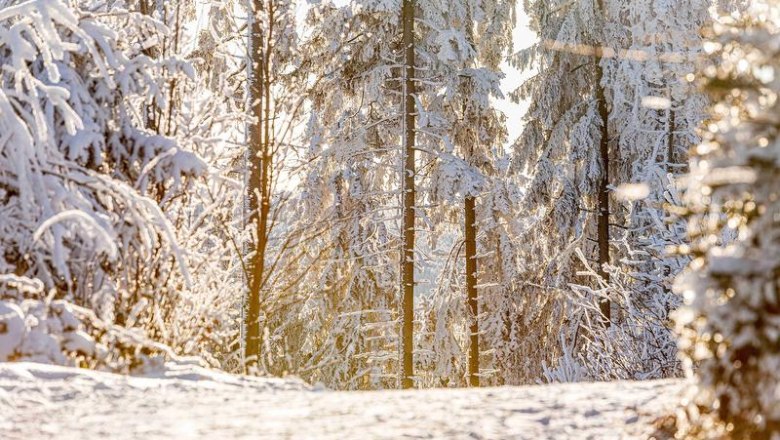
39,331
35,327
568,369
93,198
34,330
730,326
640,344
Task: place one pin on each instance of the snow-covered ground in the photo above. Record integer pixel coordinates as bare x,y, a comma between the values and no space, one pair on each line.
41,401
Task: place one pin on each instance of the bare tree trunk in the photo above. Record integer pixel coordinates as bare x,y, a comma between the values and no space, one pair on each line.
603,192
257,189
471,287
670,139
152,52
407,254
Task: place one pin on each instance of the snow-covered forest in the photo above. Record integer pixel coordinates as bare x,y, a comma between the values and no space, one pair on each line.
385,194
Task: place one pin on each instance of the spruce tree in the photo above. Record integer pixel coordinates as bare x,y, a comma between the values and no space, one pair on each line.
729,327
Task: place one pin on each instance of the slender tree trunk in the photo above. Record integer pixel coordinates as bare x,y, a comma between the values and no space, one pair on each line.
407,254
152,52
670,139
266,159
257,186
471,287
603,194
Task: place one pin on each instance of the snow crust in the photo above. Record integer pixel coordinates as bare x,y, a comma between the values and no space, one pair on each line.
186,401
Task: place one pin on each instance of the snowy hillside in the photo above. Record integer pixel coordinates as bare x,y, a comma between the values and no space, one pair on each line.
39,401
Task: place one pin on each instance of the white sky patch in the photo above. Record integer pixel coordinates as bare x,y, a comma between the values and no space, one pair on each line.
523,37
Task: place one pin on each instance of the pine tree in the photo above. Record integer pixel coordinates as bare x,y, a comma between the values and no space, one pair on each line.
359,112
466,136
408,194
565,149
596,252
343,329
728,329
655,112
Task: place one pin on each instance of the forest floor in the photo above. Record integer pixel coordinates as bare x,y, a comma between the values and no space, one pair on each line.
40,401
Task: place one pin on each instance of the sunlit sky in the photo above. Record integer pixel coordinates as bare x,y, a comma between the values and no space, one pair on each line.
523,37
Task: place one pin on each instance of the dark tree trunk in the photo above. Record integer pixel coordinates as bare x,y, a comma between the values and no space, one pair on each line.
407,254
670,140
603,191
471,287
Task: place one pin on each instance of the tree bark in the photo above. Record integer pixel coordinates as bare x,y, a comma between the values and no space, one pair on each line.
603,191
407,254
471,287
670,139
259,182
